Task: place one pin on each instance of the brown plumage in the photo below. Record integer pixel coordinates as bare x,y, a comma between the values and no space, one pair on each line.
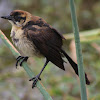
33,36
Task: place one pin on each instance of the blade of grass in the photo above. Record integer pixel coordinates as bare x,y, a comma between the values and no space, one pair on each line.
25,66
78,51
92,35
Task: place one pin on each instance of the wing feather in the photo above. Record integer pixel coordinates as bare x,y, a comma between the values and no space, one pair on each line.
48,42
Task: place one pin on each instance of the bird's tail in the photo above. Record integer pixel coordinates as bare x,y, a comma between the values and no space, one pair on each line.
74,66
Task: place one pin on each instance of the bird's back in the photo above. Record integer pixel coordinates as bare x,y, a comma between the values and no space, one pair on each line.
46,39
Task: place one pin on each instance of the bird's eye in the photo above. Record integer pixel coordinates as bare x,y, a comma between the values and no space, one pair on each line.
17,18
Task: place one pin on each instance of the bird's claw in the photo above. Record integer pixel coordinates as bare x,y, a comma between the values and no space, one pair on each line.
35,80
19,58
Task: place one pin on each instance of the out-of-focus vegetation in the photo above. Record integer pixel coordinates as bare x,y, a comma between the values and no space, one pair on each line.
14,84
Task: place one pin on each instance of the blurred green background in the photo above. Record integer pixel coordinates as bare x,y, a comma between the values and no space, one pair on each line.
14,84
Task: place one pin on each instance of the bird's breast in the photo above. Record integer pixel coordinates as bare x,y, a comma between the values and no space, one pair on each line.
24,45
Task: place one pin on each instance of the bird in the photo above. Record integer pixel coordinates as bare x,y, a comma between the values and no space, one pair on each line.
35,37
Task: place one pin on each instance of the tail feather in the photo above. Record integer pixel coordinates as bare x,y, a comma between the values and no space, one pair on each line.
75,66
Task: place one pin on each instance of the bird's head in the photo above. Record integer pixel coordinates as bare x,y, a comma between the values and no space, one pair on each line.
18,18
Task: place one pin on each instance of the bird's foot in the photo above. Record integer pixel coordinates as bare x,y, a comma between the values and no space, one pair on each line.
21,58
35,80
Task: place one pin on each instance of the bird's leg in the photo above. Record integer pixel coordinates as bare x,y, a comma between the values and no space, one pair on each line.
36,78
23,59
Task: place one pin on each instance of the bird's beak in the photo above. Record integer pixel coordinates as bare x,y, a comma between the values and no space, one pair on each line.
7,17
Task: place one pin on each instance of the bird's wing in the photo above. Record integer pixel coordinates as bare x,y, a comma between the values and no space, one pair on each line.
48,42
